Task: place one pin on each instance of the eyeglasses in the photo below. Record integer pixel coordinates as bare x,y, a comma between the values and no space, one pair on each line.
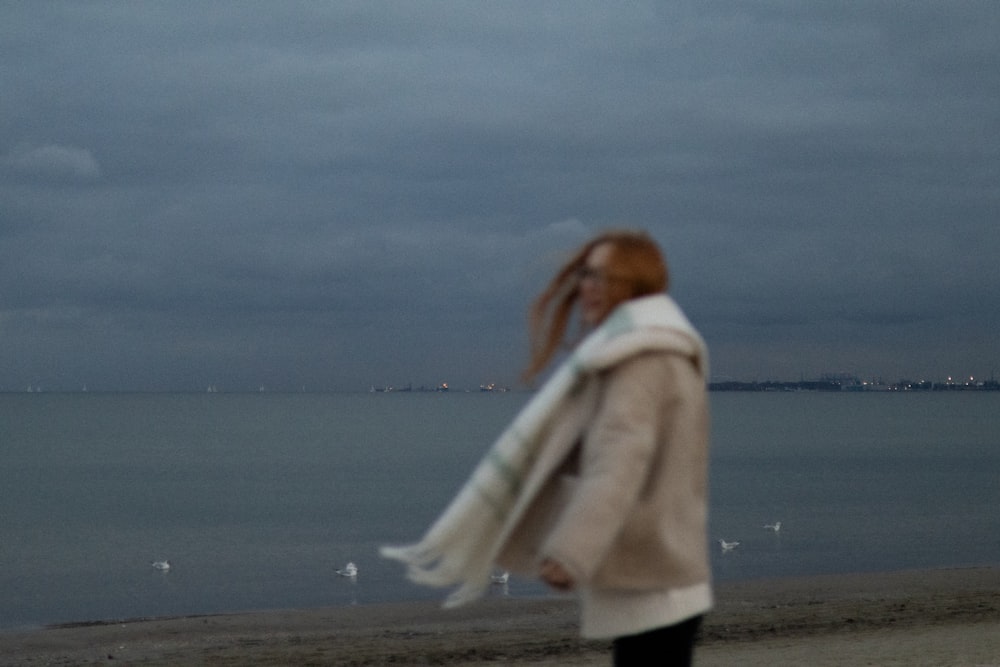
596,275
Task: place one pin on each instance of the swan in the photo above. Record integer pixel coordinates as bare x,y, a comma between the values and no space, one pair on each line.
161,565
349,570
776,526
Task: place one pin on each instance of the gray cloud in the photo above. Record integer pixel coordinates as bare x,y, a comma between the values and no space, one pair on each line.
51,162
340,194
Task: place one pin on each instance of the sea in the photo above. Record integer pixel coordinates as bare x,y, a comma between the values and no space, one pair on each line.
258,499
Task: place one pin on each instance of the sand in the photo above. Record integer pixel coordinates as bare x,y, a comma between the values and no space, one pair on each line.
936,617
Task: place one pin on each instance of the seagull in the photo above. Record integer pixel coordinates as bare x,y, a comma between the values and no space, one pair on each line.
776,526
349,570
500,578
728,546
161,565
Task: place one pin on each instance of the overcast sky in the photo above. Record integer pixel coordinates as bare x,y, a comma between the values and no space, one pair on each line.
333,195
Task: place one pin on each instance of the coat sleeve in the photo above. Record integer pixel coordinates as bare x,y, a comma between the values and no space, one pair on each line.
619,446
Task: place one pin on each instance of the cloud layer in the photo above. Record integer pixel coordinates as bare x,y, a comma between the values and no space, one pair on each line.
333,195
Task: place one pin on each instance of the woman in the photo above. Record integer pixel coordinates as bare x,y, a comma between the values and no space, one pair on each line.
599,485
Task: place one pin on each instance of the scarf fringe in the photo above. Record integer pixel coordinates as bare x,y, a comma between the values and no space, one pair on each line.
458,549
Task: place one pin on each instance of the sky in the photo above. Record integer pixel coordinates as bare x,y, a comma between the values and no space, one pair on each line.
336,195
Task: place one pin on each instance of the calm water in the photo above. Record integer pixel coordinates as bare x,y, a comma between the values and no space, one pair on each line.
257,499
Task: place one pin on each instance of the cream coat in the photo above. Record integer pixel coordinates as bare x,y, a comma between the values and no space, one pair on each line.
621,417
626,512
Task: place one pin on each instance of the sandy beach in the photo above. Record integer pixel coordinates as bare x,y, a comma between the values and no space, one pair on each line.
935,617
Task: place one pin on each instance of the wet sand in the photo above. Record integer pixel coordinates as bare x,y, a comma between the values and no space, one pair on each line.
934,617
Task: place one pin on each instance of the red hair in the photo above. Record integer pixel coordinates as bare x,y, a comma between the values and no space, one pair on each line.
635,262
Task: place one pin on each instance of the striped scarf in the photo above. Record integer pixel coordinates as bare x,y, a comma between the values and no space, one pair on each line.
461,547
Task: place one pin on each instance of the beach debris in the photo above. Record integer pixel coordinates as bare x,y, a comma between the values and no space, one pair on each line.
349,570
776,526
728,546
161,565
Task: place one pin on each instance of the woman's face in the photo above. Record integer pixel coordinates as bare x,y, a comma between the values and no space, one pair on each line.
600,291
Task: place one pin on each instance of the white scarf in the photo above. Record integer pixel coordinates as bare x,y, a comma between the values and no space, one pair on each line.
461,547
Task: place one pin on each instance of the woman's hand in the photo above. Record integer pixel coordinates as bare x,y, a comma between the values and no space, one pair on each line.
555,575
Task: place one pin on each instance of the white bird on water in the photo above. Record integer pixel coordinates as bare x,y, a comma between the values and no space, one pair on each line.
500,577
776,526
349,570
728,546
161,565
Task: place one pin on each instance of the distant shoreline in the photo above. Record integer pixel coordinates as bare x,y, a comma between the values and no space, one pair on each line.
855,386
902,386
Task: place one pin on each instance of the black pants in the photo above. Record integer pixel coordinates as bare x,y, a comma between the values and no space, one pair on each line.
671,646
